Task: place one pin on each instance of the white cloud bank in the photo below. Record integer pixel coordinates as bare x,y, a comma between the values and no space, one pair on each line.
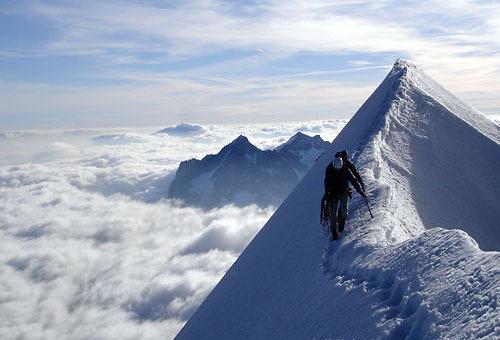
88,250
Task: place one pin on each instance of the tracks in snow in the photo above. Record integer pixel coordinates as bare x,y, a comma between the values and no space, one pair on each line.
436,285
399,307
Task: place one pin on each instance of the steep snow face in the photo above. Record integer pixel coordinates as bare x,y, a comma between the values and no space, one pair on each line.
434,157
428,161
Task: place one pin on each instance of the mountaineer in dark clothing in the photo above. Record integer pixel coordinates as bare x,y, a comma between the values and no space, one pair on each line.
337,194
347,163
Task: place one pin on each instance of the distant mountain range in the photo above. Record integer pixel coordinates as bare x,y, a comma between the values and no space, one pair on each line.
243,174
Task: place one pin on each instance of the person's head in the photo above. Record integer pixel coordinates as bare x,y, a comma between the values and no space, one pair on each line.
343,154
337,163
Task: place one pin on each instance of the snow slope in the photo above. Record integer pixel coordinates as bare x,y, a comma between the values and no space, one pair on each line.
431,165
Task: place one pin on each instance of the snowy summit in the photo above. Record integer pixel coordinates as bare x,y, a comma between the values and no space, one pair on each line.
425,267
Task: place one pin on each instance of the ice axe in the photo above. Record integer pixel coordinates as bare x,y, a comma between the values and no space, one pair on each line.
368,206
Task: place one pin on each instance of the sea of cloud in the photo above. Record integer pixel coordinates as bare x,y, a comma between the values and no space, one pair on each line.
91,248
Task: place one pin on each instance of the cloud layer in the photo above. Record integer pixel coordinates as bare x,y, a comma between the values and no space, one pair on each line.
88,247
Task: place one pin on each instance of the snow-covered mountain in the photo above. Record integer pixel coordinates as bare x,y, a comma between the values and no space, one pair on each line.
430,165
243,174
303,149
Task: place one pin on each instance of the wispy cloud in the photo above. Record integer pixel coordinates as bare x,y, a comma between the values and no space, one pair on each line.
172,100
188,46
280,27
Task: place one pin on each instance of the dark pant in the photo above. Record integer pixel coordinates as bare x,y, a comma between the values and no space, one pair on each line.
339,208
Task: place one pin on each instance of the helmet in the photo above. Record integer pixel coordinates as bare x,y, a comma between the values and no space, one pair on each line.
342,154
337,163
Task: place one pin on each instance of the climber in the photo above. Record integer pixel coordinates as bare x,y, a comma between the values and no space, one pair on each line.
347,163
337,193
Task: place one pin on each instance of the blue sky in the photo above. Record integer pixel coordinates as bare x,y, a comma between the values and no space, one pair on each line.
128,63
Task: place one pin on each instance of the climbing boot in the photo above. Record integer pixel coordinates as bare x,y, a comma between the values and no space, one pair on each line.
341,225
335,235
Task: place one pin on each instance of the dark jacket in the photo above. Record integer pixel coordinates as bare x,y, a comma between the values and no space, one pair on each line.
337,181
352,168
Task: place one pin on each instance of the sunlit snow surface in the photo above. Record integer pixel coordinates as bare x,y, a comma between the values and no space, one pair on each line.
430,165
89,247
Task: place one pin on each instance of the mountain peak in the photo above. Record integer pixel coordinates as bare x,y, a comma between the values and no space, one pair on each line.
302,136
299,133
240,145
403,63
241,140
409,85
304,147
297,137
403,69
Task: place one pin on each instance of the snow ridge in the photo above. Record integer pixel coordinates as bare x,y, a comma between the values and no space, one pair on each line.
430,164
